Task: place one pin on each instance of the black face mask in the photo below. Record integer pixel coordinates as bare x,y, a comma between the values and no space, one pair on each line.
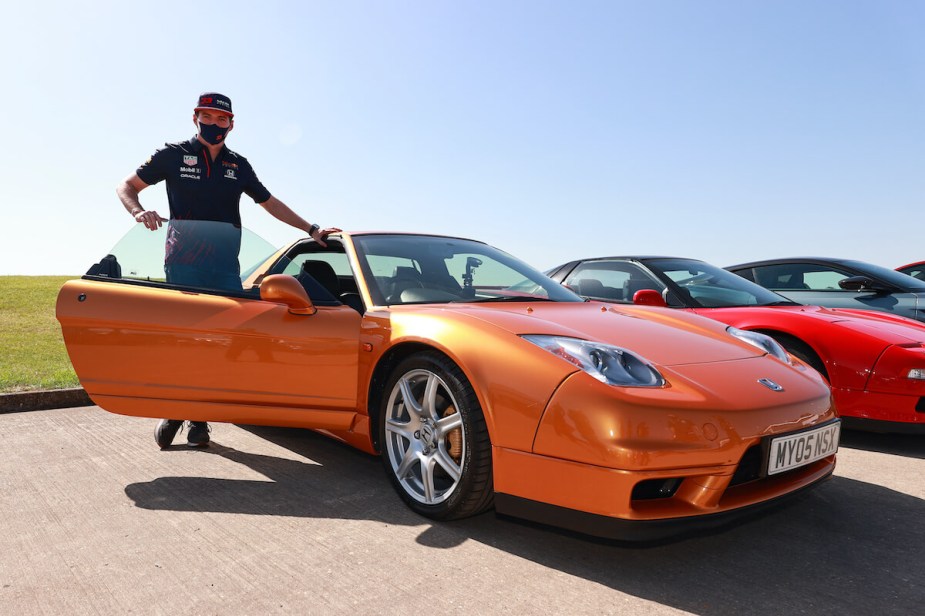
213,133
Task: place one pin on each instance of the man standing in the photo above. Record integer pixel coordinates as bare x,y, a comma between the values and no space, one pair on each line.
205,181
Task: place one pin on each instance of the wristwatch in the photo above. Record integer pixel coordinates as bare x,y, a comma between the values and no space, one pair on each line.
312,229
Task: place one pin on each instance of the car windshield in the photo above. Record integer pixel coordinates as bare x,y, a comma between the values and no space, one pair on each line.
893,277
708,286
416,269
227,254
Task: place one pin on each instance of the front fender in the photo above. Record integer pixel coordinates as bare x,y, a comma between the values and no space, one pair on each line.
512,378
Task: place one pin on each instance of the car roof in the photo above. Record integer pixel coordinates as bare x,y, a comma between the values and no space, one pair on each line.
792,260
371,232
634,258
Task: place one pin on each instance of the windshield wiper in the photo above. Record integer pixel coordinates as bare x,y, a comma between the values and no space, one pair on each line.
785,302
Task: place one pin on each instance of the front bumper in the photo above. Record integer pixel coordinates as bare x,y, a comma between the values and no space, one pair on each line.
639,531
600,501
881,412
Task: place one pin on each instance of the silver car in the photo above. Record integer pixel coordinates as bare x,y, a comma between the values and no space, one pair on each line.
839,283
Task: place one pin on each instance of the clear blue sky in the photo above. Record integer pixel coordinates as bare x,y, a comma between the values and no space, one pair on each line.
726,131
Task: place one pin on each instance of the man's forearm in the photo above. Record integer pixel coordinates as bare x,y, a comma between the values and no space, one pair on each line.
129,198
283,213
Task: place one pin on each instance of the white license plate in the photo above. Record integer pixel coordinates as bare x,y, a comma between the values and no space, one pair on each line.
795,450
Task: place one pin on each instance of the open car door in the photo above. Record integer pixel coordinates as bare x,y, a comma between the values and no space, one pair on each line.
147,347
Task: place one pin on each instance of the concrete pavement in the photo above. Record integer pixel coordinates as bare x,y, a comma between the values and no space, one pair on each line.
97,520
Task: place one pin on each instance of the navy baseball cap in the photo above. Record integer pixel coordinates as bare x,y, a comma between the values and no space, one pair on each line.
214,100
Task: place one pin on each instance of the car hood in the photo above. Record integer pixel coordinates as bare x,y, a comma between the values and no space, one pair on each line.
661,335
890,328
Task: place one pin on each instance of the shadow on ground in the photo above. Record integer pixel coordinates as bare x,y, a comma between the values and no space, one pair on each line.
908,445
846,547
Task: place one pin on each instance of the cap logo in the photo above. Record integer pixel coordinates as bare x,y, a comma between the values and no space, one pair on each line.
213,100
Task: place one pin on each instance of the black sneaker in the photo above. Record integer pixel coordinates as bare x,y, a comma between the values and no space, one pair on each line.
165,432
198,434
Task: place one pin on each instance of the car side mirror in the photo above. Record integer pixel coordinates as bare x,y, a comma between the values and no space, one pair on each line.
861,283
671,299
649,297
284,289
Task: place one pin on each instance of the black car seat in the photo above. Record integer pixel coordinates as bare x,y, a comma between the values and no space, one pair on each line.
404,278
794,281
631,285
324,275
322,272
591,287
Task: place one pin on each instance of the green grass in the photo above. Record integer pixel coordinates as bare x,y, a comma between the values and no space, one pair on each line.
32,353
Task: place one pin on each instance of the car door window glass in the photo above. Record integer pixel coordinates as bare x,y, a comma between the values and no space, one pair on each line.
798,277
823,280
607,280
142,256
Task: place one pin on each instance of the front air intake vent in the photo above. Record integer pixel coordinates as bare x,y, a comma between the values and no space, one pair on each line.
651,489
749,468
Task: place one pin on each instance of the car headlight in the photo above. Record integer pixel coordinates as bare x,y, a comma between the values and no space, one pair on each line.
761,341
607,363
917,374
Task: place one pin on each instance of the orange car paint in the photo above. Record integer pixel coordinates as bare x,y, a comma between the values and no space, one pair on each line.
558,436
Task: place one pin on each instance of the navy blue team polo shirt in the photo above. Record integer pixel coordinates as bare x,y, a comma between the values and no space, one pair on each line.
202,189
199,188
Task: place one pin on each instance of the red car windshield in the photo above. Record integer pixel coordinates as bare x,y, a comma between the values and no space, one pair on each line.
706,286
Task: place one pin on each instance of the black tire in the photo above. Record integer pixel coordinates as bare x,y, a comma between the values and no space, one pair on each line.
803,352
440,465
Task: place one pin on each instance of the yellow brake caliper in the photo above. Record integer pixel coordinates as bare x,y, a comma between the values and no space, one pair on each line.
454,438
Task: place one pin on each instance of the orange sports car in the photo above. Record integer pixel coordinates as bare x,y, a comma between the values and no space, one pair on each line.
478,380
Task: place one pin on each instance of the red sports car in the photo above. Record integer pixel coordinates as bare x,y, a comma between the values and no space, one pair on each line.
916,270
874,361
